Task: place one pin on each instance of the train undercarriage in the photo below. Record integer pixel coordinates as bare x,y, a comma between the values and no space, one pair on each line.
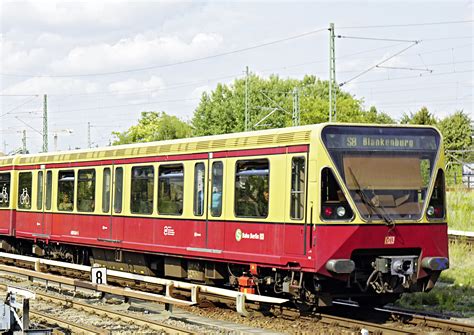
370,277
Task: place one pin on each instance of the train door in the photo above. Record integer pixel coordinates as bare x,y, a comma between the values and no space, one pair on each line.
215,227
47,210
116,218
40,229
196,230
296,228
105,222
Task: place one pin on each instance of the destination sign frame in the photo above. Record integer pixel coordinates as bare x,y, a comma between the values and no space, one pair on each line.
365,138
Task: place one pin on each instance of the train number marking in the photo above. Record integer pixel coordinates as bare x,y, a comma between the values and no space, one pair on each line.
99,275
168,231
389,240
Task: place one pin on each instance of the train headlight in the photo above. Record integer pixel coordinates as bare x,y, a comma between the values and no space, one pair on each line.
341,211
430,211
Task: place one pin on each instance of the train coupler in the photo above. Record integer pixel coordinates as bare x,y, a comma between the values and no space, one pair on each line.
246,284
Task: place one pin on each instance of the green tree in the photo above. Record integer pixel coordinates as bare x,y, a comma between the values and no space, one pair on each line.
373,116
271,100
154,126
456,130
423,116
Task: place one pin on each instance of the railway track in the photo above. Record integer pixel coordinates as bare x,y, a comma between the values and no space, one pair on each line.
398,322
458,236
67,303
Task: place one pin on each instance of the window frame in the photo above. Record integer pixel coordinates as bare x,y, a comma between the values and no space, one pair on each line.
20,191
118,200
235,189
196,201
132,179
48,203
213,182
175,165
302,192
321,204
9,203
59,190
94,182
106,200
39,190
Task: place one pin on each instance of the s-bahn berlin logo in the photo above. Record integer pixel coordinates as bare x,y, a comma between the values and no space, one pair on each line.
239,235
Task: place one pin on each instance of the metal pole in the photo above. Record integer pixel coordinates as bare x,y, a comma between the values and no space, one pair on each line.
23,140
89,143
246,98
296,107
332,73
45,123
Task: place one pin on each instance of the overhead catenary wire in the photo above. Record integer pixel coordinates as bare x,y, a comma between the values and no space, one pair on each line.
18,106
379,63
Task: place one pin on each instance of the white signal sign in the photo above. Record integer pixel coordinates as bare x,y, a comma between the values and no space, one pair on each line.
99,275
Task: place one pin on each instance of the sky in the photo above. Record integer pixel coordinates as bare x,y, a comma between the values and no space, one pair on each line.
105,62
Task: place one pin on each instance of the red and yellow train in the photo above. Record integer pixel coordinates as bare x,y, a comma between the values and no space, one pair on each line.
312,213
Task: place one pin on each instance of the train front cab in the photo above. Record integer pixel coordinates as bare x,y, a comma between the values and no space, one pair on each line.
382,221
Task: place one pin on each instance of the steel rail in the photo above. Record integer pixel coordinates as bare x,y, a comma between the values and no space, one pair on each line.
109,313
373,328
419,319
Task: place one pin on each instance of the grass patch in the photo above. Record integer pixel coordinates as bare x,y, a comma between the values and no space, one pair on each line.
460,205
454,291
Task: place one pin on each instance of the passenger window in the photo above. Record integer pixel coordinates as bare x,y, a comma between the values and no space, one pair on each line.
199,188
39,191
86,191
142,190
49,189
66,191
4,189
298,179
252,188
216,197
24,190
170,189
106,190
118,190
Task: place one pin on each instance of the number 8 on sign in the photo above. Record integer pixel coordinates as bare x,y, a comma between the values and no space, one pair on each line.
99,275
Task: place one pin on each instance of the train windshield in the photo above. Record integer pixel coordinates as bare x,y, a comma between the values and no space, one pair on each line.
387,170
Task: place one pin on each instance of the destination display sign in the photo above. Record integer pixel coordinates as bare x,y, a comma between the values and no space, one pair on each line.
379,142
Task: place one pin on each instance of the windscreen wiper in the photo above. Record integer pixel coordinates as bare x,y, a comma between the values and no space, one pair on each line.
369,205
